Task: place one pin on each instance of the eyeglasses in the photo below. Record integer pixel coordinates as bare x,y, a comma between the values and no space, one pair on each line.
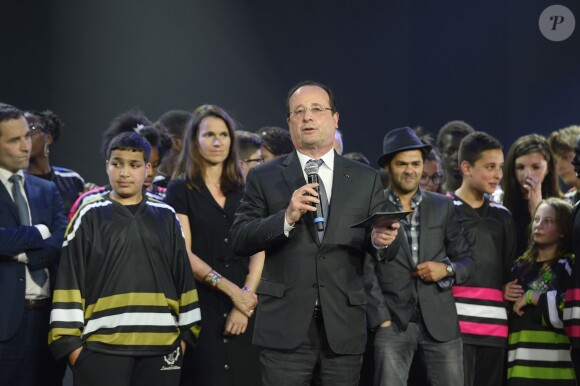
300,111
256,160
435,179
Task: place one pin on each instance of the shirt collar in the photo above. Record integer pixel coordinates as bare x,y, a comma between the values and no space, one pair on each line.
6,174
415,200
328,159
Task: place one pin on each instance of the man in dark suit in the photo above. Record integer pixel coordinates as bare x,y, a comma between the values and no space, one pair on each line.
32,226
411,303
311,313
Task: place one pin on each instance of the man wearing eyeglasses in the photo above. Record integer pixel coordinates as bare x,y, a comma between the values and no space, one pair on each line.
311,315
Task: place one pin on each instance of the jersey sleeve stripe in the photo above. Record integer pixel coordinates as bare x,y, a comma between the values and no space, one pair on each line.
553,309
189,317
59,315
189,297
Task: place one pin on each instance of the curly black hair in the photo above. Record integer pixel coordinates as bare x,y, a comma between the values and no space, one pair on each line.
50,122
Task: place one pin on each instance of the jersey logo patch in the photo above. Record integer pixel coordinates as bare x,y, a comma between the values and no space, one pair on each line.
170,359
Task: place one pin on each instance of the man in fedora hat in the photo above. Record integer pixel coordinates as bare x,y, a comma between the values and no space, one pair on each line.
411,303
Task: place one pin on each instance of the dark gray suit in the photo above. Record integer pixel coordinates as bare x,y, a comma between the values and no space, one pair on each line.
299,269
395,293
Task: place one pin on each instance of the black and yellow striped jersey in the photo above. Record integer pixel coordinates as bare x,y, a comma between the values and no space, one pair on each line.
125,284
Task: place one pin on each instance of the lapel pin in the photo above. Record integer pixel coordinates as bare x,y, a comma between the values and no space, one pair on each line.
347,175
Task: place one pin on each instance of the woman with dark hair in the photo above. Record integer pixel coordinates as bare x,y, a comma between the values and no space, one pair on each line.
538,348
529,176
205,192
45,129
133,121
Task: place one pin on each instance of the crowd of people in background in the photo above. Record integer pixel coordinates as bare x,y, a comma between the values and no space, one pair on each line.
203,261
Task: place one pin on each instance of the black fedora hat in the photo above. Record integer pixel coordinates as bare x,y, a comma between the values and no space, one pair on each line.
401,139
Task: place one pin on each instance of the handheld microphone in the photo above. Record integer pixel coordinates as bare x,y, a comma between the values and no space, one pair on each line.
311,170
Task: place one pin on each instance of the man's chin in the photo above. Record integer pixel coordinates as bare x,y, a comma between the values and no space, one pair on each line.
23,165
409,189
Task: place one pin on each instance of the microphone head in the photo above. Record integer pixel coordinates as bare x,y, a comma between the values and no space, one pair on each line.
311,168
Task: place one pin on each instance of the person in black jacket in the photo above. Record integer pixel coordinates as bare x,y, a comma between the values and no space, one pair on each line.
311,316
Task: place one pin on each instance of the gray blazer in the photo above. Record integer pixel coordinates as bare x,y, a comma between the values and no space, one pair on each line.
394,292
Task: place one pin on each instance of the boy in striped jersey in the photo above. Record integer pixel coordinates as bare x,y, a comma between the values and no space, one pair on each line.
125,302
490,229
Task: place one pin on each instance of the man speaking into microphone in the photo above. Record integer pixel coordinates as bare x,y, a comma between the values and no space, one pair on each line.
310,319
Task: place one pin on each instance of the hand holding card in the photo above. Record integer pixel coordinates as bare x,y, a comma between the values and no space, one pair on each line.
381,219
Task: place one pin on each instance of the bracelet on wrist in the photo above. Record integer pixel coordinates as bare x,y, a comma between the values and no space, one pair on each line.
529,296
213,278
245,288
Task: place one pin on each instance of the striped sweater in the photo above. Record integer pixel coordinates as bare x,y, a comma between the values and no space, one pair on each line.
125,285
481,310
539,350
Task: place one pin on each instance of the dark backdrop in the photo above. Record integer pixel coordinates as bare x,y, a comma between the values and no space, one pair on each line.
390,63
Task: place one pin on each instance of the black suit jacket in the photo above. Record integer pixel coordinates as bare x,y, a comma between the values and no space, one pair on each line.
299,269
46,208
394,292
